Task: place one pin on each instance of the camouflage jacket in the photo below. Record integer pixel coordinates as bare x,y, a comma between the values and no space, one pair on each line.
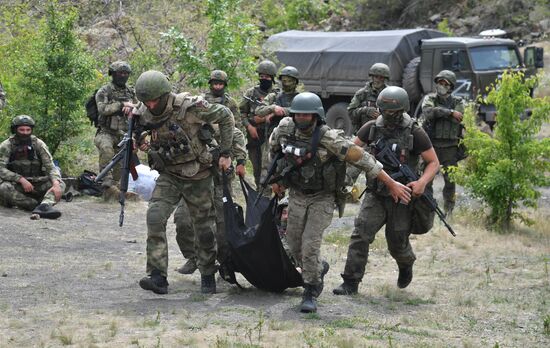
35,162
444,130
180,135
282,99
248,108
110,100
362,107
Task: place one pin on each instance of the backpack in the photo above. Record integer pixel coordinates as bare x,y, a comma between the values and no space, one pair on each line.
91,110
87,184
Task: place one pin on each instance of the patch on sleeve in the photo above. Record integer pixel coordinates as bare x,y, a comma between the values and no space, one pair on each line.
354,154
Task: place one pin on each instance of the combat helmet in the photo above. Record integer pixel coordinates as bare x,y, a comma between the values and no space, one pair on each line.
393,98
218,75
21,120
267,67
151,85
289,71
119,65
448,76
380,69
308,103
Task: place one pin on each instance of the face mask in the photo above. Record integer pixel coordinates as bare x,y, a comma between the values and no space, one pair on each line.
392,118
119,79
23,138
303,125
289,83
217,92
265,85
442,90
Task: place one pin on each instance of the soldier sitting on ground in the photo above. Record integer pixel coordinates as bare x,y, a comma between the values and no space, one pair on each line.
28,177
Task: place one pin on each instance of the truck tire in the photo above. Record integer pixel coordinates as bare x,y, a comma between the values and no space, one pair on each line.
338,118
411,83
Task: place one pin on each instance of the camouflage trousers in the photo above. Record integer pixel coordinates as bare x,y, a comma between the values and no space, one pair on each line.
12,194
377,211
266,162
185,234
106,143
447,157
308,217
254,147
197,195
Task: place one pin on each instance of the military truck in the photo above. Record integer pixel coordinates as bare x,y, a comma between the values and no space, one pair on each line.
334,64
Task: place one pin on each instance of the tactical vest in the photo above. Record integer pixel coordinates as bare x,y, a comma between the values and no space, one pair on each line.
285,99
24,159
403,137
179,144
259,95
443,127
369,96
117,121
323,172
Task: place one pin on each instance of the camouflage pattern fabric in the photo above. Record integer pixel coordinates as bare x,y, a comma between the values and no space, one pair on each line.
362,107
227,101
375,212
2,97
106,143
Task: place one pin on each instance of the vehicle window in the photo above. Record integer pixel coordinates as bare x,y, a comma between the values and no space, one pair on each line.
454,60
494,57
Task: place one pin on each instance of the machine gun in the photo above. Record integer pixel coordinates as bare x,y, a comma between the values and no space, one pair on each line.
386,155
126,155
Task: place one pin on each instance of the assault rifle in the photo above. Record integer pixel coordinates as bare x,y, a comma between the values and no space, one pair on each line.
268,179
253,101
126,155
386,155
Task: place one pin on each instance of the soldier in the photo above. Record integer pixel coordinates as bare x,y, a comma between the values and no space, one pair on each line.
275,106
28,177
379,207
2,97
179,125
314,161
442,116
255,133
217,94
363,105
114,101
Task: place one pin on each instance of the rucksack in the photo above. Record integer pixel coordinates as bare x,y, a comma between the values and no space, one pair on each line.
91,110
87,184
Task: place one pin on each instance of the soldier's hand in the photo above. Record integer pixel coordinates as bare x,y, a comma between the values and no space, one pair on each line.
144,146
278,189
240,170
259,119
417,187
56,189
127,108
27,186
252,131
279,111
457,115
400,192
224,163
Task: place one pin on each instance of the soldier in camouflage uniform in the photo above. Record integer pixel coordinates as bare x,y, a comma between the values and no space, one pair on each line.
442,117
275,106
362,107
179,126
255,132
28,177
381,206
217,95
114,102
314,159
184,229
2,97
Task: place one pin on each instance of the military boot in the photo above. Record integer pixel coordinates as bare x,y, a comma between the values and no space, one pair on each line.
348,287
405,276
309,299
46,211
449,207
208,284
319,288
189,267
155,282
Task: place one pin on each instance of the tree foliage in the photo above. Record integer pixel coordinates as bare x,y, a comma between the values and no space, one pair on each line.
505,170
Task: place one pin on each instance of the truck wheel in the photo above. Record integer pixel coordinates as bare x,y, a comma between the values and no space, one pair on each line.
411,83
337,117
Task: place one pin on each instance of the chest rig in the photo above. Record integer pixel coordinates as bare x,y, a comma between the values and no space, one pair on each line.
117,121
179,144
446,127
23,158
310,167
401,140
369,96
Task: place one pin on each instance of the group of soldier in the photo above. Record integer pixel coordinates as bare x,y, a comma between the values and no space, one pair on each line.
192,141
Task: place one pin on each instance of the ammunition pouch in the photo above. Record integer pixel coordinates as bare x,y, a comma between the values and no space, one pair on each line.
155,161
206,133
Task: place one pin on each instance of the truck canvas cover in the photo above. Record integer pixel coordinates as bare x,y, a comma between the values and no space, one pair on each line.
328,62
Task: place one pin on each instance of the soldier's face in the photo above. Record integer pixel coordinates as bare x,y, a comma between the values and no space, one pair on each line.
24,130
217,86
377,80
266,77
304,121
152,104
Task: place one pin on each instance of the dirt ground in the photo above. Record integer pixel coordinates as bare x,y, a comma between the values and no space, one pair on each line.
74,282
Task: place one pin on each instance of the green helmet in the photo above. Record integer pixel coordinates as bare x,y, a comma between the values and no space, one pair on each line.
448,76
267,67
393,98
307,103
289,71
380,69
218,75
151,85
21,120
119,65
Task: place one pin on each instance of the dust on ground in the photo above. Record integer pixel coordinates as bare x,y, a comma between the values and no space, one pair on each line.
73,282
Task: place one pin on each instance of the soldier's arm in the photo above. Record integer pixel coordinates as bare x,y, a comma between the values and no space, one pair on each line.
432,112
47,161
106,107
268,105
238,147
5,173
221,115
354,107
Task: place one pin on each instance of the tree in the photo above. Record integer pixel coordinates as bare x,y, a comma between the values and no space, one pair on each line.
505,170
